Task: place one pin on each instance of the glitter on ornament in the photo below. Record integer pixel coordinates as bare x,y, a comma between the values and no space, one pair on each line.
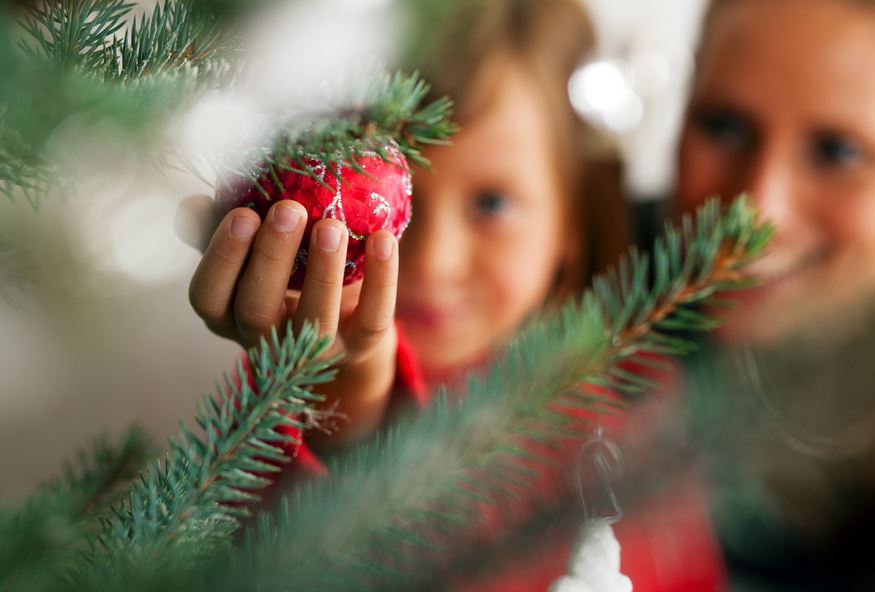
384,206
377,198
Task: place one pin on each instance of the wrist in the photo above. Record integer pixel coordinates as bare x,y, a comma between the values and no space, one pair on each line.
359,395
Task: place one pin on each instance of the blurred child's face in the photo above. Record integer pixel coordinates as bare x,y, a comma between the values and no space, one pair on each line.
487,234
784,108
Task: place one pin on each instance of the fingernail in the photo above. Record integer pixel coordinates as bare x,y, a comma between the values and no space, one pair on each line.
328,238
243,227
286,218
383,247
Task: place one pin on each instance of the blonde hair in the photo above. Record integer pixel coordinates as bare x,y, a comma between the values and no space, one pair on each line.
548,39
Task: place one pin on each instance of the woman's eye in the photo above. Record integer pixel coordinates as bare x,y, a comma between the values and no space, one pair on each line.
835,150
725,127
490,203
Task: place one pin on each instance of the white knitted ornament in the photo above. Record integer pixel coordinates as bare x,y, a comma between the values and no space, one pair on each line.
595,564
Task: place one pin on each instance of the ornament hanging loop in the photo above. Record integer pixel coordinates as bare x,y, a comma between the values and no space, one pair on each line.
602,457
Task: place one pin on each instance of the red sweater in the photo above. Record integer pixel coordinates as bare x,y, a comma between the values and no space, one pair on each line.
666,546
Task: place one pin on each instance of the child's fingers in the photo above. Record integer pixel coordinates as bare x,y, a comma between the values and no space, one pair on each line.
211,291
323,282
261,293
374,315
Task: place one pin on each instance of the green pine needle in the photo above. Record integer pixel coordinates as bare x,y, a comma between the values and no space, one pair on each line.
386,112
181,34
72,33
93,481
90,60
43,543
195,497
40,544
17,272
100,37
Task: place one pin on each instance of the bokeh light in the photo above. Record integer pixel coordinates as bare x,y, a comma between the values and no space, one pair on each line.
601,92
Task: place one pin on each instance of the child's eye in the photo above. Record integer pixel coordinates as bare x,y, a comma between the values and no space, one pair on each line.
834,150
726,127
490,203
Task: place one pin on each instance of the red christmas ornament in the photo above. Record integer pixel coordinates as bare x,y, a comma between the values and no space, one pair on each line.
379,198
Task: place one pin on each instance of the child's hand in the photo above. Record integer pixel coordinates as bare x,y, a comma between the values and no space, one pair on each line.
239,290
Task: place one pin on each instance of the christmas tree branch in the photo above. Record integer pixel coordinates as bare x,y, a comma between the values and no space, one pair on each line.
37,100
77,61
39,544
385,111
92,483
195,497
52,531
16,272
72,33
84,59
179,34
389,505
188,505
100,38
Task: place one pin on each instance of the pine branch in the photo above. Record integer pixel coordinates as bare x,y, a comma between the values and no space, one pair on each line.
38,101
92,483
386,112
83,62
40,544
77,60
179,34
16,271
72,33
20,178
195,498
21,169
382,513
100,37
387,109
187,506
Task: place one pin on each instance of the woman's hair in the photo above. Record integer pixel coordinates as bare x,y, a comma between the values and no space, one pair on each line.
548,40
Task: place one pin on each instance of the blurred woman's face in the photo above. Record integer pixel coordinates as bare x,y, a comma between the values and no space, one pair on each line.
783,108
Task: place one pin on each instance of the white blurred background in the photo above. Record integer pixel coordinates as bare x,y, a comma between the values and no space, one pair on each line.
104,335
